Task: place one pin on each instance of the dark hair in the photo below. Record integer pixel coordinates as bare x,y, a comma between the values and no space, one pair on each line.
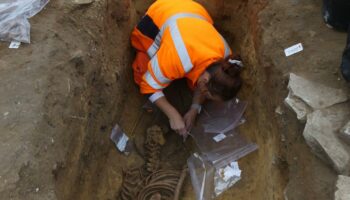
225,78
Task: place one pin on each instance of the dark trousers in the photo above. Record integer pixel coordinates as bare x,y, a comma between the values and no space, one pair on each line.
337,13
345,65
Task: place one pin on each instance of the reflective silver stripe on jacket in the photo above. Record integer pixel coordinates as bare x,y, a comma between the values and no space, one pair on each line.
157,71
152,50
227,48
180,47
153,83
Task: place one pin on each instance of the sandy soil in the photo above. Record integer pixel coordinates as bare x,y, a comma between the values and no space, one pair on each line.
62,94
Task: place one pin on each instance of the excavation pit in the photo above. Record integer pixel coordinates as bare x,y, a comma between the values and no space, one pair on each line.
79,67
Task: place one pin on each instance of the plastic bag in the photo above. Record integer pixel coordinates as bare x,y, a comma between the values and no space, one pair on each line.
232,147
202,176
14,14
219,141
222,117
208,180
121,140
214,169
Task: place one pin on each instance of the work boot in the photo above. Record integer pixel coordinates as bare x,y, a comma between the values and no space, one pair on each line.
345,65
336,14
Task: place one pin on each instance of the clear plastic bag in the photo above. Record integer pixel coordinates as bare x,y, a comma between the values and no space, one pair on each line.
14,14
220,141
214,169
202,176
222,117
233,147
121,140
208,180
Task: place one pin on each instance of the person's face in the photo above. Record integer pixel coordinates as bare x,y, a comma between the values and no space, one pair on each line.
202,85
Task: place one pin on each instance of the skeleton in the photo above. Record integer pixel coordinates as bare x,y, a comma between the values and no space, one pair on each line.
131,184
162,182
153,143
150,182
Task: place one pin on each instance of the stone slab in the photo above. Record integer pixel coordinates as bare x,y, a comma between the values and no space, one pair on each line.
342,190
345,133
316,95
321,132
300,108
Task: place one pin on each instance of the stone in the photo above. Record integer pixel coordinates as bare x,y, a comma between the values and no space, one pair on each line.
76,55
342,188
298,106
320,134
279,110
82,2
316,95
345,133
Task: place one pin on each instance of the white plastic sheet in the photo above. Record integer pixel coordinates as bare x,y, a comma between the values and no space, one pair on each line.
14,14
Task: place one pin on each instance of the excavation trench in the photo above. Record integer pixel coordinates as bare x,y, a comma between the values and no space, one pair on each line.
93,167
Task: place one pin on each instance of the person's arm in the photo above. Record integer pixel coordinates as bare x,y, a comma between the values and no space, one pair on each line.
176,121
197,101
198,98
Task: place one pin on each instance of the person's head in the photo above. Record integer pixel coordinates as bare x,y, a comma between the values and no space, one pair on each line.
221,80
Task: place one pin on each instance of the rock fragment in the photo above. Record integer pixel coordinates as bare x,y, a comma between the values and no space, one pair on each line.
316,95
82,2
345,132
279,110
342,188
298,106
320,134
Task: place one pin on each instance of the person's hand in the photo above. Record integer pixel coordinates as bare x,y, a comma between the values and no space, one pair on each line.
177,124
190,118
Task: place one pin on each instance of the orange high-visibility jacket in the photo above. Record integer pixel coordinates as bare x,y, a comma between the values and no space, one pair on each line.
177,39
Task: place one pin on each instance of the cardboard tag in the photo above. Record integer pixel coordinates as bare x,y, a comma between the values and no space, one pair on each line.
122,143
219,137
293,49
14,45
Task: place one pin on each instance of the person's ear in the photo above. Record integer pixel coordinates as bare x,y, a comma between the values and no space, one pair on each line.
206,77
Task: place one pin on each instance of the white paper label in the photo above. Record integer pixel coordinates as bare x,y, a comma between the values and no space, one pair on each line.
122,143
226,177
14,45
235,167
219,137
293,49
231,171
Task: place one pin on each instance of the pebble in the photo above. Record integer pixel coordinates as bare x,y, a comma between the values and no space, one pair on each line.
54,167
6,113
312,33
279,110
82,2
283,138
